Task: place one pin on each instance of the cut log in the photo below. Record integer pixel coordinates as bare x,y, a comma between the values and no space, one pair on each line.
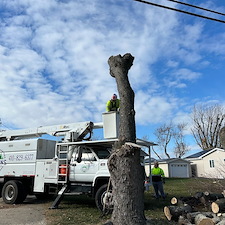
218,206
173,212
213,196
183,221
208,198
222,222
223,193
191,216
176,201
201,219
205,201
198,195
192,201
216,219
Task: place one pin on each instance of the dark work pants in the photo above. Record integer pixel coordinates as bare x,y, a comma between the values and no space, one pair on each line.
158,187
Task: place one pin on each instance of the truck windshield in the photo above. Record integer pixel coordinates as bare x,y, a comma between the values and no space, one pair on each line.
102,153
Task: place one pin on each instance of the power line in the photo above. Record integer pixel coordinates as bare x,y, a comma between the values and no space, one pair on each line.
1,125
198,7
182,11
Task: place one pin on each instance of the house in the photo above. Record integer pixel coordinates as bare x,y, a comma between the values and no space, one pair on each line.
208,163
174,167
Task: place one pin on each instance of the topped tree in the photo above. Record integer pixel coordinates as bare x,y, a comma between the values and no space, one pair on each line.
119,67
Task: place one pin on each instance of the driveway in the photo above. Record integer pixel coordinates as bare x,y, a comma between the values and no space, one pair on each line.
31,212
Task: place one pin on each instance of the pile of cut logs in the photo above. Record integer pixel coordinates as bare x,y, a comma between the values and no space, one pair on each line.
203,208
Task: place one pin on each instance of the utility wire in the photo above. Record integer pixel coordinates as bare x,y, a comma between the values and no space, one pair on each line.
1,125
182,11
198,7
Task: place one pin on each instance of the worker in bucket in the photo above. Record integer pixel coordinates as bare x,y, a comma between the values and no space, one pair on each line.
158,180
113,104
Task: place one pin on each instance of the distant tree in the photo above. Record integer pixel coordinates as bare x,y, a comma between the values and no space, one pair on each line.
164,134
222,137
146,138
207,122
181,148
126,172
172,132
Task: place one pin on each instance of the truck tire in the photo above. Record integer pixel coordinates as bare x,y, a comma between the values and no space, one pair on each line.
104,199
13,192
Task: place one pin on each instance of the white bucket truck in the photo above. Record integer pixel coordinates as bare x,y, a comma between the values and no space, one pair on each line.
30,164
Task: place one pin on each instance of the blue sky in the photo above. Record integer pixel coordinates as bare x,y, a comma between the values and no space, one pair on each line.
54,53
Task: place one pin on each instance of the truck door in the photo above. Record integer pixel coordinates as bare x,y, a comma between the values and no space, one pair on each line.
85,170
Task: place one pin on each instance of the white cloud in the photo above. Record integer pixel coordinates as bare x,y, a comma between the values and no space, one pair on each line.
53,58
186,74
179,77
172,64
154,109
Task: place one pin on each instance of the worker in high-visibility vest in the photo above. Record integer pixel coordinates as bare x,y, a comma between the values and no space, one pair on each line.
113,104
158,180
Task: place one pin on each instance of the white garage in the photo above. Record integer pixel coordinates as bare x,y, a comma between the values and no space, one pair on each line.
174,167
179,170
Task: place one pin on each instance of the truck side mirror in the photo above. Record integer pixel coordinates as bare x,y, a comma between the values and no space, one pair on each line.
79,155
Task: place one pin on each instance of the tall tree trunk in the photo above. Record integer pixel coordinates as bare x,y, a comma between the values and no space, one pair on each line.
124,164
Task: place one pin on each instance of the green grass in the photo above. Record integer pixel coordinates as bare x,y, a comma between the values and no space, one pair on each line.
81,210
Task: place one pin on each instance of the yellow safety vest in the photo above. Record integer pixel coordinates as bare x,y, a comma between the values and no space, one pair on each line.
112,105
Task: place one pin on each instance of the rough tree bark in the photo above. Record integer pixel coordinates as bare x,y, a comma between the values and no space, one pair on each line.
124,163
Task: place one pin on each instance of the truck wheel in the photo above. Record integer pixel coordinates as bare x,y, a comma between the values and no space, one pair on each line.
104,199
13,192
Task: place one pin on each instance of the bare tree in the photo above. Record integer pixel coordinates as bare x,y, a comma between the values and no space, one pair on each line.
222,137
126,173
181,148
207,122
164,134
146,138
167,133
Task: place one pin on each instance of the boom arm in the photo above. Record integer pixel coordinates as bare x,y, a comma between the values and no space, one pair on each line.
70,132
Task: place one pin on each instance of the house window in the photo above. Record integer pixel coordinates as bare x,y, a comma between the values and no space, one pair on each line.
211,163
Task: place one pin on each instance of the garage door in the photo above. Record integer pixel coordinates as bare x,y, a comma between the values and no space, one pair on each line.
179,170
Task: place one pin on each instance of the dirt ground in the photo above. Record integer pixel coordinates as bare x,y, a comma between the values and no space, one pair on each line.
31,212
